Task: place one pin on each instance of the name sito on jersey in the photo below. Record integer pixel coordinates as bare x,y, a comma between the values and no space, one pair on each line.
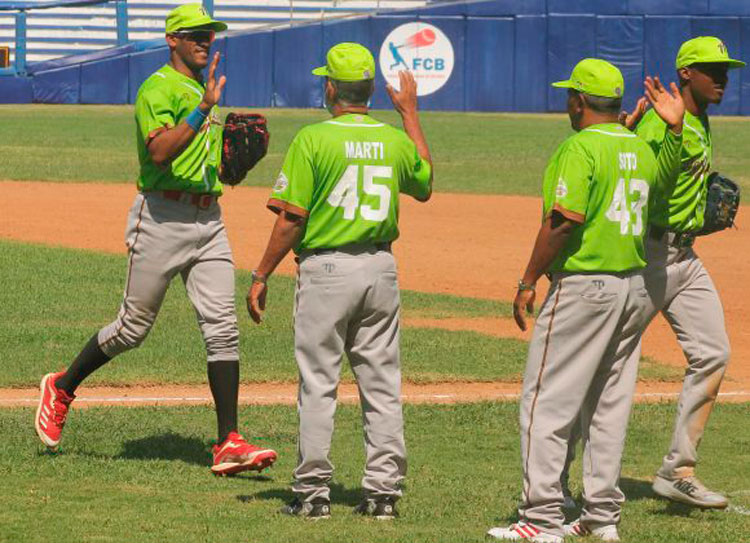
373,150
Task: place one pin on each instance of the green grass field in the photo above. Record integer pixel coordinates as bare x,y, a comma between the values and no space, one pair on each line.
43,330
479,153
141,475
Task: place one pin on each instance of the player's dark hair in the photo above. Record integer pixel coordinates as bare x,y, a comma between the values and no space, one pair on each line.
354,93
601,104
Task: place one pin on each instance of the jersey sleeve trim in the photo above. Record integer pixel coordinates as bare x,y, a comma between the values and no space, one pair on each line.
277,206
570,215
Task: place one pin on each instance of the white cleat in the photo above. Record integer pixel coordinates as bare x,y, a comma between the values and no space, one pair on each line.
689,490
604,533
523,531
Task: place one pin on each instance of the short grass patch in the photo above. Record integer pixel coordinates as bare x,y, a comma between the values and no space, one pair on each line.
487,153
141,474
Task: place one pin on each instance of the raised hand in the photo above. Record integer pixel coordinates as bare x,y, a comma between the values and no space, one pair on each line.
213,89
631,120
668,104
405,99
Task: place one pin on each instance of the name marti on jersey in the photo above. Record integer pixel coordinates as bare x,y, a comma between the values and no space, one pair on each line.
373,150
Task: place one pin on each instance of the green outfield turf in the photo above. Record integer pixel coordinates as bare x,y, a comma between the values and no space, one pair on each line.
141,475
53,300
479,153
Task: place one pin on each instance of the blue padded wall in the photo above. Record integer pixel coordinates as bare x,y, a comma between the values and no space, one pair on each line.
571,38
490,64
15,90
668,7
728,29
619,40
600,7
530,74
745,72
729,7
98,86
663,36
141,66
249,70
499,8
296,52
61,86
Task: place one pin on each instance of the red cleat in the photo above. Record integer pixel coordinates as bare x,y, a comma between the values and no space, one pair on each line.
236,455
52,411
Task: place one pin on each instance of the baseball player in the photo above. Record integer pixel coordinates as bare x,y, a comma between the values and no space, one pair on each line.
174,227
337,200
584,351
678,284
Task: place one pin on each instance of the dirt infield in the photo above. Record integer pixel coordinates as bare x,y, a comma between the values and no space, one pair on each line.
469,245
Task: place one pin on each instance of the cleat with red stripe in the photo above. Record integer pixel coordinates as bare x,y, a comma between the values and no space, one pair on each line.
523,531
235,455
52,411
604,533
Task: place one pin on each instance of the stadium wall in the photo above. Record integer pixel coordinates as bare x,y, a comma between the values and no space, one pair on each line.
505,53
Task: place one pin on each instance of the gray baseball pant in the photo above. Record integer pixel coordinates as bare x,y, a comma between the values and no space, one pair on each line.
582,361
164,238
679,286
347,301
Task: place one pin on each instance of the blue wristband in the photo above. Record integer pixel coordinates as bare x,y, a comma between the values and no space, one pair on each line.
196,118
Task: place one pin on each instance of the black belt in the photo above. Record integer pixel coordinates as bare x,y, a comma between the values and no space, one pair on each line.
678,239
354,247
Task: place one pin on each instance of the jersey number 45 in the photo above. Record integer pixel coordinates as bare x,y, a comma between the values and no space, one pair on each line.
346,192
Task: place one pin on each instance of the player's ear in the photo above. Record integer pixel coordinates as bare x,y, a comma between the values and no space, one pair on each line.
171,41
684,75
330,92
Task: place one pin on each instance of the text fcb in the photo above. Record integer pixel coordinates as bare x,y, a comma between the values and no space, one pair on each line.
422,49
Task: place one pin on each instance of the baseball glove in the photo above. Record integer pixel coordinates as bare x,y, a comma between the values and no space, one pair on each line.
722,201
245,142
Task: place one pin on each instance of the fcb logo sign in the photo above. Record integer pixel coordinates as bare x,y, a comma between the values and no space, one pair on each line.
422,49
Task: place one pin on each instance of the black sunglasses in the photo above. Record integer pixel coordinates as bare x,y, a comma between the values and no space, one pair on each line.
196,35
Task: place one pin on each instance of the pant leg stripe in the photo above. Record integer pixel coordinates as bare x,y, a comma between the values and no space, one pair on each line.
536,393
130,268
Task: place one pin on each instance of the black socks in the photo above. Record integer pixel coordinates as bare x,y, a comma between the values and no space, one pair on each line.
224,380
90,359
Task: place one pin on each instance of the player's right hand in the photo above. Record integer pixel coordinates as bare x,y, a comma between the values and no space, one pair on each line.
405,99
256,301
631,120
524,301
212,95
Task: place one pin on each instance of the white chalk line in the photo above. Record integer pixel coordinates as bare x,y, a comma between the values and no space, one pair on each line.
349,397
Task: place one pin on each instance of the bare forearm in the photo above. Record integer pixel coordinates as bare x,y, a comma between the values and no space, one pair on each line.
414,130
550,240
287,232
169,144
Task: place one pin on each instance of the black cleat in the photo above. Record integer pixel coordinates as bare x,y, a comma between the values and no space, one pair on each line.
383,508
314,510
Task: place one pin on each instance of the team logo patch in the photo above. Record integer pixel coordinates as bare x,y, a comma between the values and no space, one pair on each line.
722,48
422,49
281,183
562,189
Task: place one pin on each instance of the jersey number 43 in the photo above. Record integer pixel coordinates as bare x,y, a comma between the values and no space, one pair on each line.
346,192
626,204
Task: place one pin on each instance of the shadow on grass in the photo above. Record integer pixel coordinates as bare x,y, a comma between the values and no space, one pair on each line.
167,446
636,489
339,495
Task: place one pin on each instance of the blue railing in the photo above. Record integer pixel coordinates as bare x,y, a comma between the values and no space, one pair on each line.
19,57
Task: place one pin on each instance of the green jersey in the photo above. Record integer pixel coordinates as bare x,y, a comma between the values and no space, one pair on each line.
601,177
681,209
164,100
345,175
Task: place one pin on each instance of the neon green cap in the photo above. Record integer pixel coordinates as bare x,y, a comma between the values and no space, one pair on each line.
188,16
705,49
348,62
596,77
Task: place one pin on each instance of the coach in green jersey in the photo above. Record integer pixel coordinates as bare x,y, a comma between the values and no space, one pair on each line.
337,202
174,228
679,286
583,356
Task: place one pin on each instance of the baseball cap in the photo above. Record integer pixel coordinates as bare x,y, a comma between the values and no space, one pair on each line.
705,49
596,77
348,62
189,16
